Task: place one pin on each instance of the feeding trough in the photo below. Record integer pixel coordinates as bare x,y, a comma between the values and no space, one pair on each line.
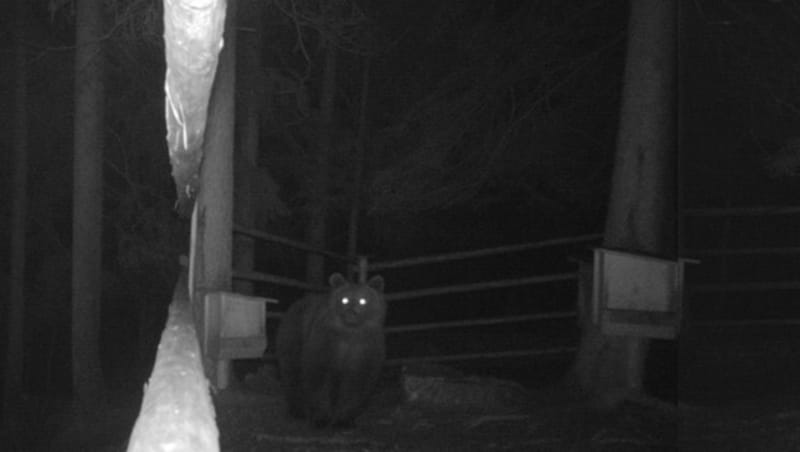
636,294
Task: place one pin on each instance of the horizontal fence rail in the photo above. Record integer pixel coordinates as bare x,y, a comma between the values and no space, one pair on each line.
741,251
275,279
255,233
745,286
740,211
441,258
747,322
486,285
723,253
481,322
486,355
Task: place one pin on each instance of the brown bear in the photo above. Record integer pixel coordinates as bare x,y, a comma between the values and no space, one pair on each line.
330,350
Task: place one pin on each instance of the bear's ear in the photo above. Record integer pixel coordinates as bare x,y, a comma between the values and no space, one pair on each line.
376,282
337,280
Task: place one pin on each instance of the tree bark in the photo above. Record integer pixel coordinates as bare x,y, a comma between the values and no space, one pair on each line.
13,388
87,226
358,172
317,228
610,368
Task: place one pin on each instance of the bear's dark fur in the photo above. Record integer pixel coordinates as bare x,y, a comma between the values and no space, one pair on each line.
330,350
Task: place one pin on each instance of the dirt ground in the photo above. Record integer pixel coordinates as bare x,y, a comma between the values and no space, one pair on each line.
251,417
550,423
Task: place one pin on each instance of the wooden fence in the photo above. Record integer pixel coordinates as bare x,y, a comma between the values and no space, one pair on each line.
749,256
177,412
447,289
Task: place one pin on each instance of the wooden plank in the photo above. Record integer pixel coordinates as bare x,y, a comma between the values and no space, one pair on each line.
745,322
485,285
747,286
742,251
487,355
740,211
482,322
287,242
275,279
373,267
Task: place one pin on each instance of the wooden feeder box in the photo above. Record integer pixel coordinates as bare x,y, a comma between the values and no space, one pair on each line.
241,325
637,295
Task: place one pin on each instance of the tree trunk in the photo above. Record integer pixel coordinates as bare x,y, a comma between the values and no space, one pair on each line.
319,203
215,201
610,368
246,155
12,390
358,176
87,226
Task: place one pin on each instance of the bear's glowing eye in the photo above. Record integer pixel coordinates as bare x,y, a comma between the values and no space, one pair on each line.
345,300
362,301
